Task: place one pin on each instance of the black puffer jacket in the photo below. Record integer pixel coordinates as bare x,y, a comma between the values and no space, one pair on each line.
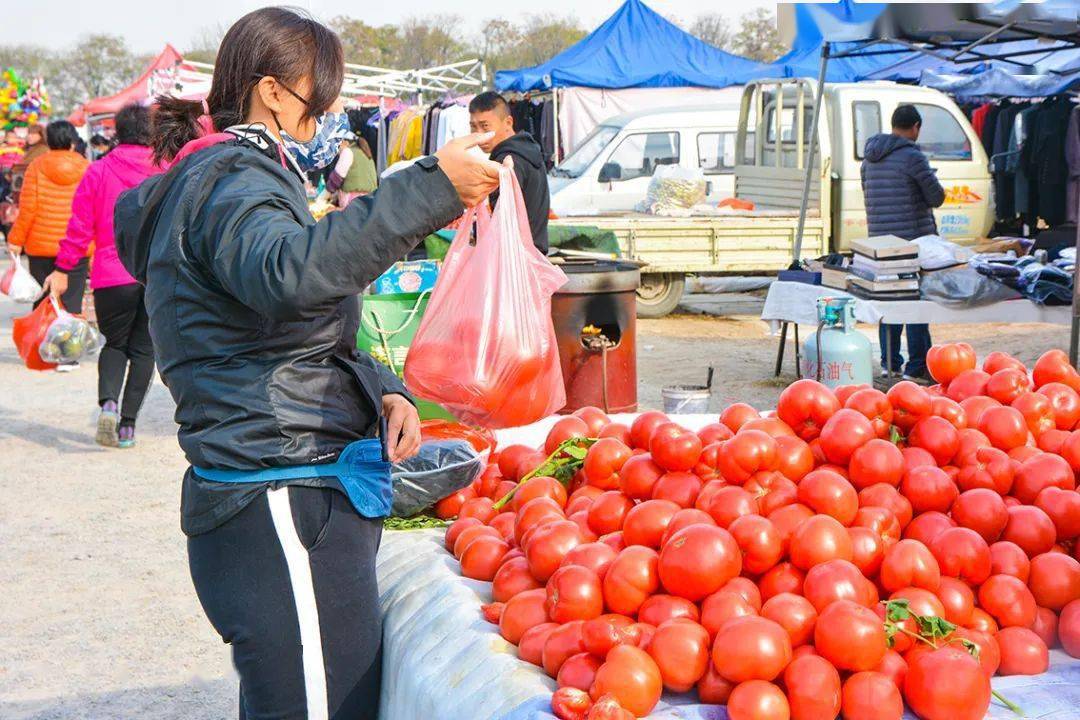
254,306
532,176
900,188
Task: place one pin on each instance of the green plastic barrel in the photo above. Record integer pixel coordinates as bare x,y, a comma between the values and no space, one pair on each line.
388,324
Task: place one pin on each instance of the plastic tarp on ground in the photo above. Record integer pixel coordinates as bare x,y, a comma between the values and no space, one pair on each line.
442,661
634,48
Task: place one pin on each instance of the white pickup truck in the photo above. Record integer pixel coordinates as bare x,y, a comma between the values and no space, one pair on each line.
770,147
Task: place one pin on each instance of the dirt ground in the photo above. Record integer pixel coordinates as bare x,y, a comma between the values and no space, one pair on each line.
98,619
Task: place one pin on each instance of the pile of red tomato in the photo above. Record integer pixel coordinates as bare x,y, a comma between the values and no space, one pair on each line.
749,560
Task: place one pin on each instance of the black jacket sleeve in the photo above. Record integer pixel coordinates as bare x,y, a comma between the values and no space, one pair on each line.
261,245
925,177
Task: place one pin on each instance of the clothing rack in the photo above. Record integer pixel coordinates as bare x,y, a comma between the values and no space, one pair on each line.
461,77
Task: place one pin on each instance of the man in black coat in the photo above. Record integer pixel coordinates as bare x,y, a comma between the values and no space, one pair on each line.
900,190
489,112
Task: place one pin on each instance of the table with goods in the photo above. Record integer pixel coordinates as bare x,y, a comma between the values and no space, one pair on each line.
853,553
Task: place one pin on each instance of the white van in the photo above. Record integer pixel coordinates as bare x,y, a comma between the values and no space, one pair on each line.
610,170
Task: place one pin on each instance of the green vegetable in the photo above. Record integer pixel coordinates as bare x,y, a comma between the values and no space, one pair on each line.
416,522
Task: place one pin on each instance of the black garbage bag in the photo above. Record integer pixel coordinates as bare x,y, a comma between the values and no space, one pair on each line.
439,469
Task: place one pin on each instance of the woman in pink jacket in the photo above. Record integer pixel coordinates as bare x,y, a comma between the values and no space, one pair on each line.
118,299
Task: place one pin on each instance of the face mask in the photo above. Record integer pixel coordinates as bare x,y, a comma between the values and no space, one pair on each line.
331,130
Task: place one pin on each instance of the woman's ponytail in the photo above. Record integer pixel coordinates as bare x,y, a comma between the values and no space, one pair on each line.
175,124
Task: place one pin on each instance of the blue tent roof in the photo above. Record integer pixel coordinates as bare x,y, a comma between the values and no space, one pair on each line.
634,48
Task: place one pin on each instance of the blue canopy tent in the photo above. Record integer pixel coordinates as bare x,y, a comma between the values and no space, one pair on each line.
634,48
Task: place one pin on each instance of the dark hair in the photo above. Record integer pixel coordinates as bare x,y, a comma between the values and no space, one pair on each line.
98,139
61,135
905,117
489,100
132,125
277,42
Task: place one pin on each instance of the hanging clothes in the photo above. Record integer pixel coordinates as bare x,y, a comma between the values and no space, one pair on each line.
1022,186
986,135
978,117
1072,160
1004,183
1051,170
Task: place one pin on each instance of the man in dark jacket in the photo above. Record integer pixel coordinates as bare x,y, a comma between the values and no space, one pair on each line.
901,190
489,112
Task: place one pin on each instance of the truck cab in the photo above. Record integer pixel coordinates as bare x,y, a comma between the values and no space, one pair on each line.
610,170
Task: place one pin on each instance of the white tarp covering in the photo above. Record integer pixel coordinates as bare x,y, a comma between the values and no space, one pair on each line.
581,109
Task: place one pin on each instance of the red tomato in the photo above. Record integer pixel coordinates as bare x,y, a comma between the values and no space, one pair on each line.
1045,626
878,461
867,550
1008,600
970,441
844,392
999,361
738,414
594,417
989,654
681,488
871,695
685,518
813,688
632,677
784,578
468,535
957,599
721,606
481,508
1052,441
643,426
1041,471
778,492
536,487
965,695
875,406
646,522
983,621
595,556
772,426
946,362
608,512
451,505
759,541
1023,652
456,528
531,644
909,563
713,689
887,496
881,521
631,578
787,518
608,708
523,611
937,436
1066,404
1063,509
989,468
850,636
962,553
928,526
757,700
806,406
793,457
1055,580
751,648
564,429
564,642
929,488
570,703
674,448
794,613
512,577
950,410
617,431
745,454
614,541
1069,628
1007,384
714,433
910,404
1053,366
574,593
983,511
708,464
1070,450
843,433
1037,410
660,608
1005,427
827,493
605,632
482,558
536,512
819,539
698,560
681,652
969,383
603,463
1031,529
837,580
1008,558
745,588
728,503
548,546
638,476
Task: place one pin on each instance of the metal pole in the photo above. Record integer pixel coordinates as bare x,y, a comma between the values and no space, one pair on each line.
1074,334
555,110
810,156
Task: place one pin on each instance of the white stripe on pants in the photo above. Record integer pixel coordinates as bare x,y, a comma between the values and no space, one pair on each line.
307,612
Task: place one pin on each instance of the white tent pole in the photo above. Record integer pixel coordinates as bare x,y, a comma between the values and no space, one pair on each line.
807,183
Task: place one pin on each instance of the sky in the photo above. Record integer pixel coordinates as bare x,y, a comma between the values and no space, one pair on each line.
149,24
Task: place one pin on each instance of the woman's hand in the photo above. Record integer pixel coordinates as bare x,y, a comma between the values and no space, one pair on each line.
402,428
473,177
56,283
15,249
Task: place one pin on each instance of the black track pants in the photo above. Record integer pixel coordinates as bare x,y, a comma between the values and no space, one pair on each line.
290,583
128,351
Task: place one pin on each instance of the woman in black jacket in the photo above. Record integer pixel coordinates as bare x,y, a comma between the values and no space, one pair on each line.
253,311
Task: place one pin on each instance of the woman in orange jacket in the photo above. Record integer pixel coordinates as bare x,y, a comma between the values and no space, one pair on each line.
45,208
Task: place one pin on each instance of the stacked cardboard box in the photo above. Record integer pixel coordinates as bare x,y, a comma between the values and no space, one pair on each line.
884,268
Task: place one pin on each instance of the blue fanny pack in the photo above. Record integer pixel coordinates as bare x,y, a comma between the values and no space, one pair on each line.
363,473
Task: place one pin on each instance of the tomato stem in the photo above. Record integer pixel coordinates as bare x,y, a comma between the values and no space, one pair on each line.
1009,704
553,464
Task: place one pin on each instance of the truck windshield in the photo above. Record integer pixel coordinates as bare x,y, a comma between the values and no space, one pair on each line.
584,154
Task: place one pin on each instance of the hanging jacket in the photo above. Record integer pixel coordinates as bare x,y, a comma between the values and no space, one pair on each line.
1072,159
1048,156
91,223
254,306
45,202
532,176
899,187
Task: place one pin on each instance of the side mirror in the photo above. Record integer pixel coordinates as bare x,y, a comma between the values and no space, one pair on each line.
610,171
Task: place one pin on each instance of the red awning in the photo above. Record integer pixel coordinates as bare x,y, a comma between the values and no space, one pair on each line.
137,92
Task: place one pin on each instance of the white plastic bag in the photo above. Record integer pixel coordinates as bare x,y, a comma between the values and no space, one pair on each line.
673,188
18,284
936,253
68,339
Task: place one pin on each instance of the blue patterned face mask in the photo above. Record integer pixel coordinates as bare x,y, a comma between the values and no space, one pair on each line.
331,129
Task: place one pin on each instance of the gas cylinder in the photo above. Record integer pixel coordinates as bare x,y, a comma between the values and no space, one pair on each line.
837,354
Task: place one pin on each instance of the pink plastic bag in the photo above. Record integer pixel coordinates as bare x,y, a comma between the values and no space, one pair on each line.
486,346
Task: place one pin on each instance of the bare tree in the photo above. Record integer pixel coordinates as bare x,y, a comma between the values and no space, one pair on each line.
712,28
204,45
426,42
367,44
544,36
758,37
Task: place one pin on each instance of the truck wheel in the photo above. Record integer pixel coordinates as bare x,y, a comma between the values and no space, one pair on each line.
659,294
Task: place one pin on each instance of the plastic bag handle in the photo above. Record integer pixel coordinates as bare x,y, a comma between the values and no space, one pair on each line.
57,306
405,324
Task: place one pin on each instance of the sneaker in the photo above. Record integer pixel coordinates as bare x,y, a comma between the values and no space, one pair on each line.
919,379
67,367
126,436
108,420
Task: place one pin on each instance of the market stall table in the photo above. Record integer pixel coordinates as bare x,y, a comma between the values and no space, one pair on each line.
443,661
796,303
